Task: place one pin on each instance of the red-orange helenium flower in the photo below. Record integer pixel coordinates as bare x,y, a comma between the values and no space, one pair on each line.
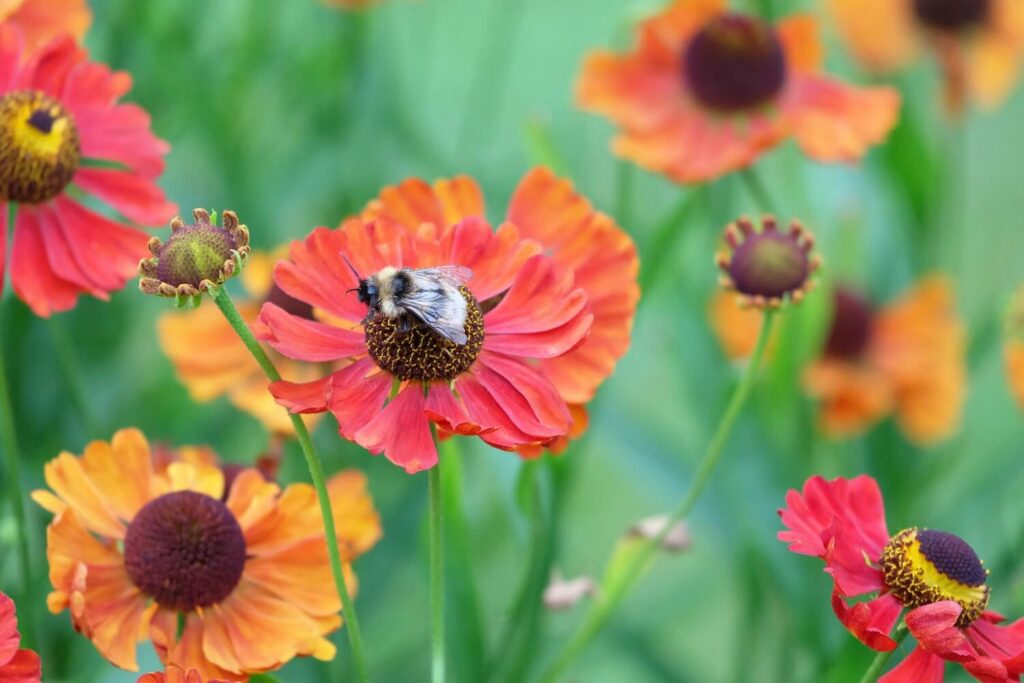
979,43
241,592
705,92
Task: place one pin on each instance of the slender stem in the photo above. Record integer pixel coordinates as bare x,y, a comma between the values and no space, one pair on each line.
662,243
878,663
613,595
758,190
437,666
12,464
66,357
316,471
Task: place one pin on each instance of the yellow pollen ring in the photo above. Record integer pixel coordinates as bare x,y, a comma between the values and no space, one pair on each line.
915,581
39,147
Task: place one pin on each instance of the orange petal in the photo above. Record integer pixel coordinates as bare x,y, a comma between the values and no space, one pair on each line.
199,477
122,470
43,20
993,67
800,40
461,198
186,652
252,500
881,34
1013,355
69,480
852,398
735,327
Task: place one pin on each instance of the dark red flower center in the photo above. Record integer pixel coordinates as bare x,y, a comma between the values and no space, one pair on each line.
924,566
194,253
951,15
419,353
185,550
289,303
735,62
852,319
39,148
769,263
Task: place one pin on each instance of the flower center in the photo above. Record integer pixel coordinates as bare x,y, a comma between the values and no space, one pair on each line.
851,325
39,150
769,263
194,253
420,353
185,550
922,566
734,63
951,15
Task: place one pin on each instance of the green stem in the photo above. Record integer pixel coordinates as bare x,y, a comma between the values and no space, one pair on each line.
13,476
437,662
878,663
661,245
65,352
758,190
316,471
609,601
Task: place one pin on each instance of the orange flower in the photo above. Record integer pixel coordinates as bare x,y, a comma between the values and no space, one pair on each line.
41,21
706,91
979,43
220,364
242,592
548,210
736,326
176,675
1013,349
907,360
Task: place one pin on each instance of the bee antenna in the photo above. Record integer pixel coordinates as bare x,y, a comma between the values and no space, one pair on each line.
352,268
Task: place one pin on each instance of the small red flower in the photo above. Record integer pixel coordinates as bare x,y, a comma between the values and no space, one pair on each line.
57,111
523,309
16,665
934,575
706,91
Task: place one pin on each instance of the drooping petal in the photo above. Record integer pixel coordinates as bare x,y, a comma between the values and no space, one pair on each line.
24,667
843,522
302,397
355,395
543,314
919,667
934,627
402,431
185,650
871,622
137,199
309,340
450,414
107,251
32,278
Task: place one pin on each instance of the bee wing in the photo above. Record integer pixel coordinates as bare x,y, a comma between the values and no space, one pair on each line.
440,305
455,275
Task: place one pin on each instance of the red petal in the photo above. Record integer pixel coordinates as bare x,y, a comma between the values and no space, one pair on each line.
92,89
9,636
33,280
317,274
309,340
49,69
872,621
841,521
355,395
988,670
302,397
402,432
494,257
450,414
62,257
1004,642
11,46
122,133
919,667
934,628
107,251
24,668
137,199
541,316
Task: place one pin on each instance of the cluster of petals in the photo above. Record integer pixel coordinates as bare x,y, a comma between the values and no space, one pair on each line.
174,674
665,128
913,367
279,608
220,365
842,521
60,248
557,284
981,61
17,665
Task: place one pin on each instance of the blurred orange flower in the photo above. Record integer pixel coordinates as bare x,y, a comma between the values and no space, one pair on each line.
220,364
241,592
735,326
906,359
174,674
41,21
1013,349
979,43
16,665
547,209
706,91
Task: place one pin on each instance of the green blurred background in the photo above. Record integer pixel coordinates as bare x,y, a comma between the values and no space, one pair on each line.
294,115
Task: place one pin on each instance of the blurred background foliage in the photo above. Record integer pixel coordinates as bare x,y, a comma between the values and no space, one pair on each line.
295,115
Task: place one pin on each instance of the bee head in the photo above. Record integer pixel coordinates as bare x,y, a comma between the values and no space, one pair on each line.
367,293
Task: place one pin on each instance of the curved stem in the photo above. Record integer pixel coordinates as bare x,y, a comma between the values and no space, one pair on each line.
12,465
613,595
437,663
316,472
757,188
878,663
